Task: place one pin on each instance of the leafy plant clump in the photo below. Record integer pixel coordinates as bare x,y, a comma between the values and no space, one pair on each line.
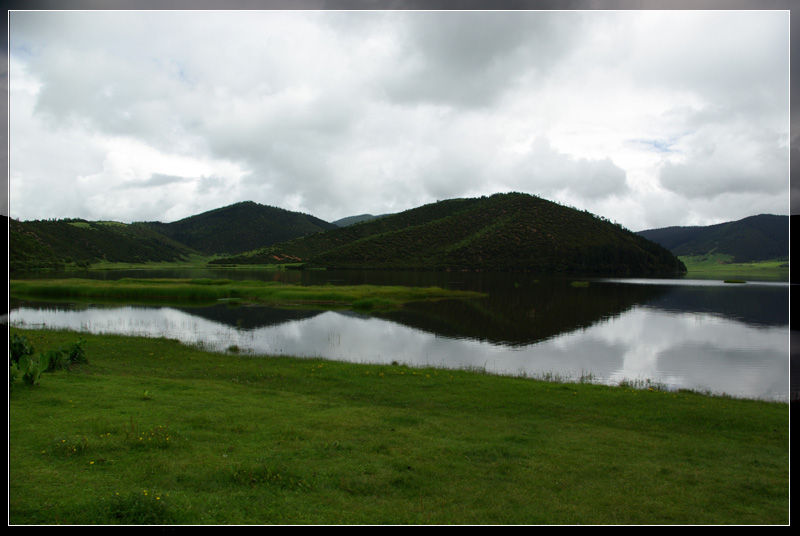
25,366
29,369
61,359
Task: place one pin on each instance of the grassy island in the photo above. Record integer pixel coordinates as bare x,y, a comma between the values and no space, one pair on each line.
150,431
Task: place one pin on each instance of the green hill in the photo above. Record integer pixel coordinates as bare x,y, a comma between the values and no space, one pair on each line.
240,227
512,231
757,238
228,230
52,244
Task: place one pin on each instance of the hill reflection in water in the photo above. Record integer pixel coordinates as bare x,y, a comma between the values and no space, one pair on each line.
707,337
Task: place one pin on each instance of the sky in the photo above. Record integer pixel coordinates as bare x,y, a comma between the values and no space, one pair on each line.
649,118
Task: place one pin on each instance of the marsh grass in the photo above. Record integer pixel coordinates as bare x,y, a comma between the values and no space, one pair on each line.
212,290
280,440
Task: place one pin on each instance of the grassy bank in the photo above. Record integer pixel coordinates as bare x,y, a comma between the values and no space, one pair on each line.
152,431
722,266
209,290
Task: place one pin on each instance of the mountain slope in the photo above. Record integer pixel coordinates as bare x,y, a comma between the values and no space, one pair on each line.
502,232
228,230
756,238
240,227
51,244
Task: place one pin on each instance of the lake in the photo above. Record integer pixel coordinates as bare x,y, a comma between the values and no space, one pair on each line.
683,333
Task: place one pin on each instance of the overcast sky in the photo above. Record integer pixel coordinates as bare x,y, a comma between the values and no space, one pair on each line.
649,118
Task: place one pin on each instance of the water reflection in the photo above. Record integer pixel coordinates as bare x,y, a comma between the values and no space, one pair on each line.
679,338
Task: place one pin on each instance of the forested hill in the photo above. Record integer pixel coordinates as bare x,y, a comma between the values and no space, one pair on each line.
503,232
240,227
229,230
757,238
53,244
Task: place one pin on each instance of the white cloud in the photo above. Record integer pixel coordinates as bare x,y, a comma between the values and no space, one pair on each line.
729,158
161,115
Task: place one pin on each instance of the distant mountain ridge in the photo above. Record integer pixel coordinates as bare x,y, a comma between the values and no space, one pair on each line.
755,238
352,220
511,231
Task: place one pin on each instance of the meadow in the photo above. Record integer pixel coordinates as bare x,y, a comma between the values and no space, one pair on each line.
722,266
150,431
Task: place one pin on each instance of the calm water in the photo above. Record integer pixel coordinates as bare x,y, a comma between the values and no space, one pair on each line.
694,334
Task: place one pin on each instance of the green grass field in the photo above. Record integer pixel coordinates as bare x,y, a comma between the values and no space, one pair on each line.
155,432
720,266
